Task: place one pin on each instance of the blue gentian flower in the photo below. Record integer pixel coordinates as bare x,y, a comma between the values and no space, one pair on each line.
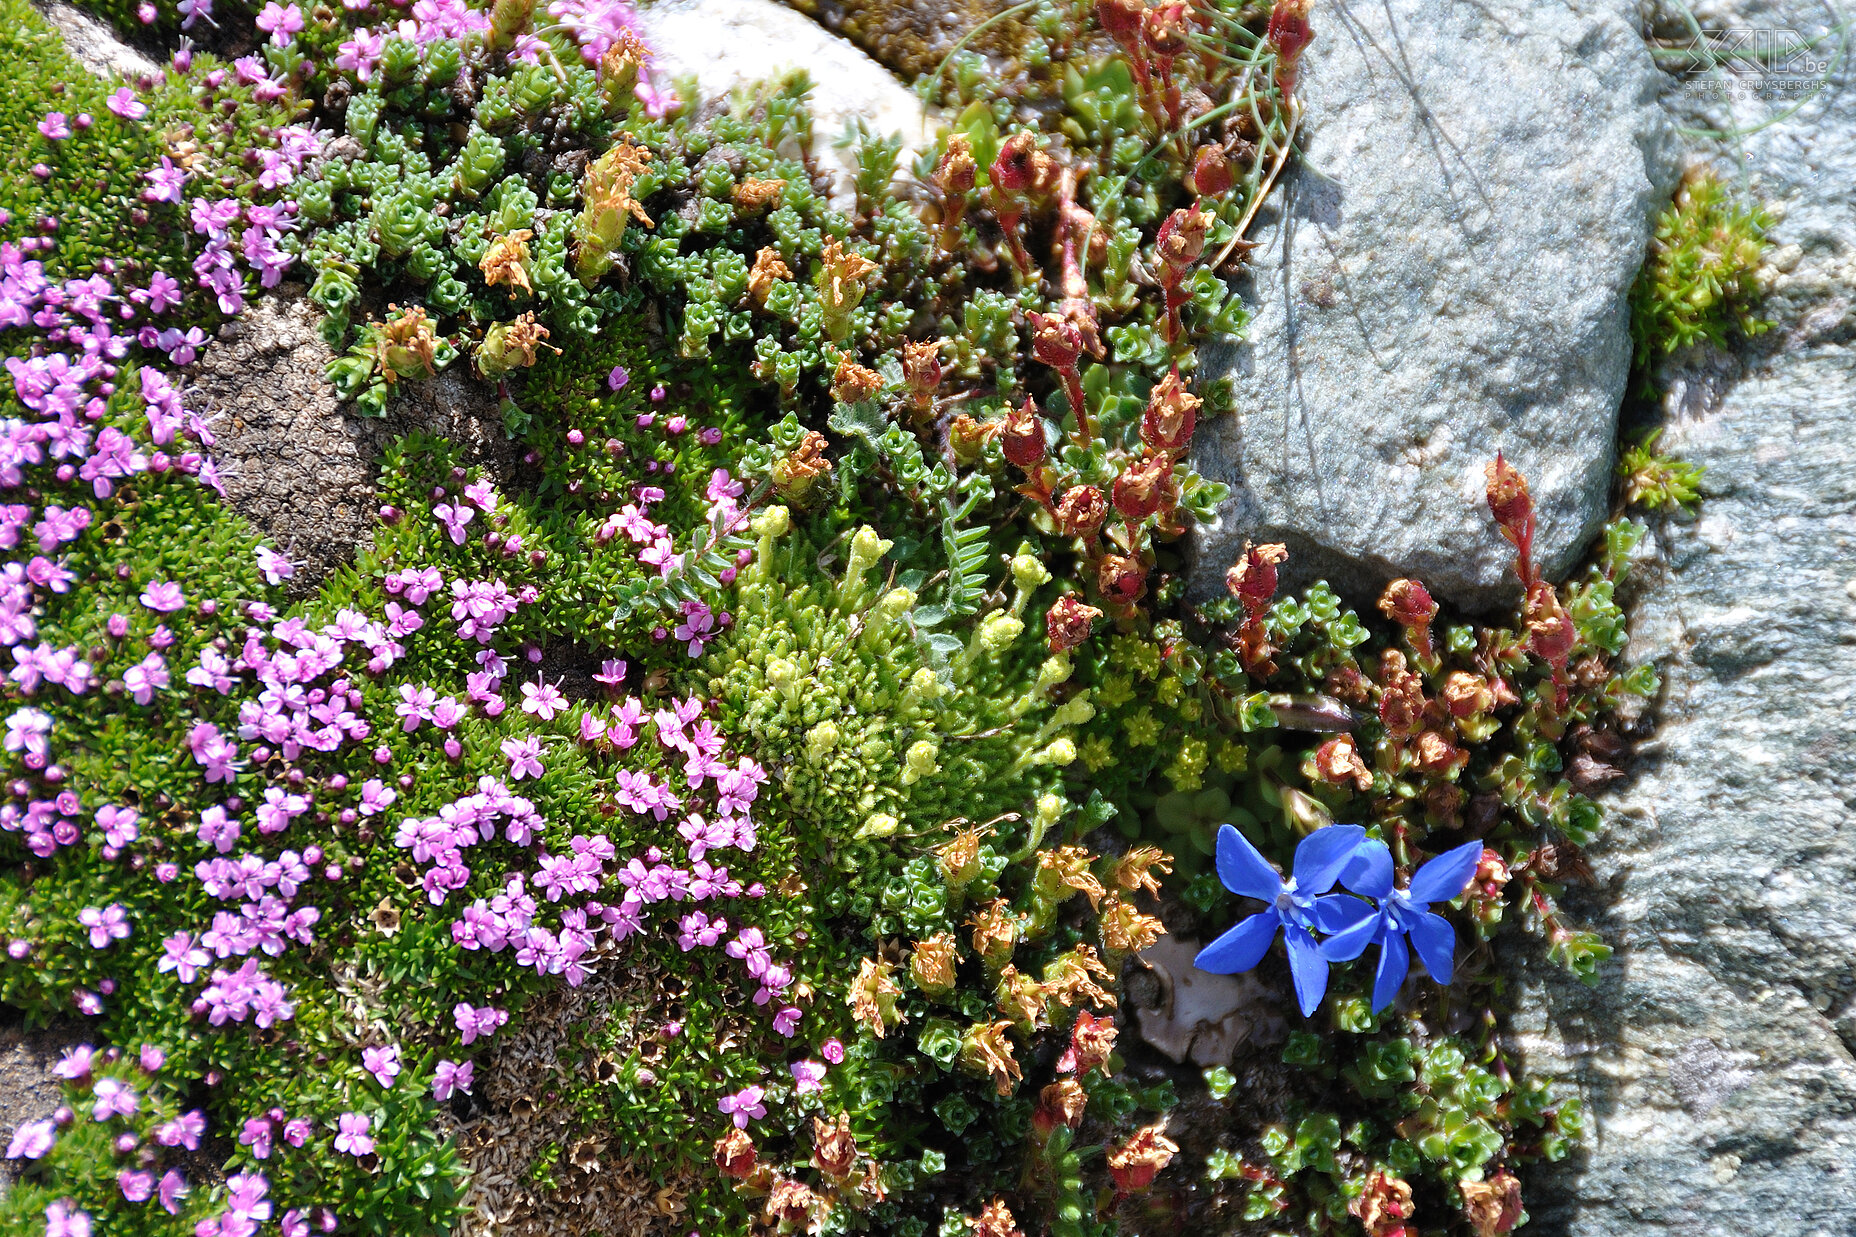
1403,913
1296,906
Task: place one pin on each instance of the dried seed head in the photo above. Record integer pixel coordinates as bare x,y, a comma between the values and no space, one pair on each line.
985,1050
957,171
994,1220
506,261
768,267
834,1151
755,194
852,383
1068,623
1060,1103
1136,1163
1338,761
931,964
1081,511
1172,414
1121,579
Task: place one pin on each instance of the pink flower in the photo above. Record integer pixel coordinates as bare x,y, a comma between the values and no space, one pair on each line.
63,1220
126,105
172,1189
77,1063
451,1077
362,53
135,1186
454,519
282,24
351,1127
786,1022
808,1076
744,1105
108,924
163,596
481,1023
832,1050
54,127
32,1140
276,567
543,699
524,757
696,628
382,1063
113,1098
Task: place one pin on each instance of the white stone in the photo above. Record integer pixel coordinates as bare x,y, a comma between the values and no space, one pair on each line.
732,43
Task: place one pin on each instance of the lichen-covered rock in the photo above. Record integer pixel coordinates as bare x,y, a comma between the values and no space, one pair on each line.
296,461
1715,1057
730,43
1446,278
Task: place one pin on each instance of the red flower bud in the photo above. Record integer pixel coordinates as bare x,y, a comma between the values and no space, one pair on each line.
1513,509
1092,1042
1252,580
1165,30
1211,174
1142,488
1023,436
1055,341
735,1154
1408,603
1179,243
1289,34
921,367
1021,168
1123,21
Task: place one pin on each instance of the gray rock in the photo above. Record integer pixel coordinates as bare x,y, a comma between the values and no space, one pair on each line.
732,43
1715,1057
298,463
92,43
1446,278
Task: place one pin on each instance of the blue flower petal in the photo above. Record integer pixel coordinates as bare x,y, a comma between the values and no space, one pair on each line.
1321,856
1242,869
1443,877
1309,968
1242,947
1338,911
1435,941
1394,961
1370,870
1350,931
